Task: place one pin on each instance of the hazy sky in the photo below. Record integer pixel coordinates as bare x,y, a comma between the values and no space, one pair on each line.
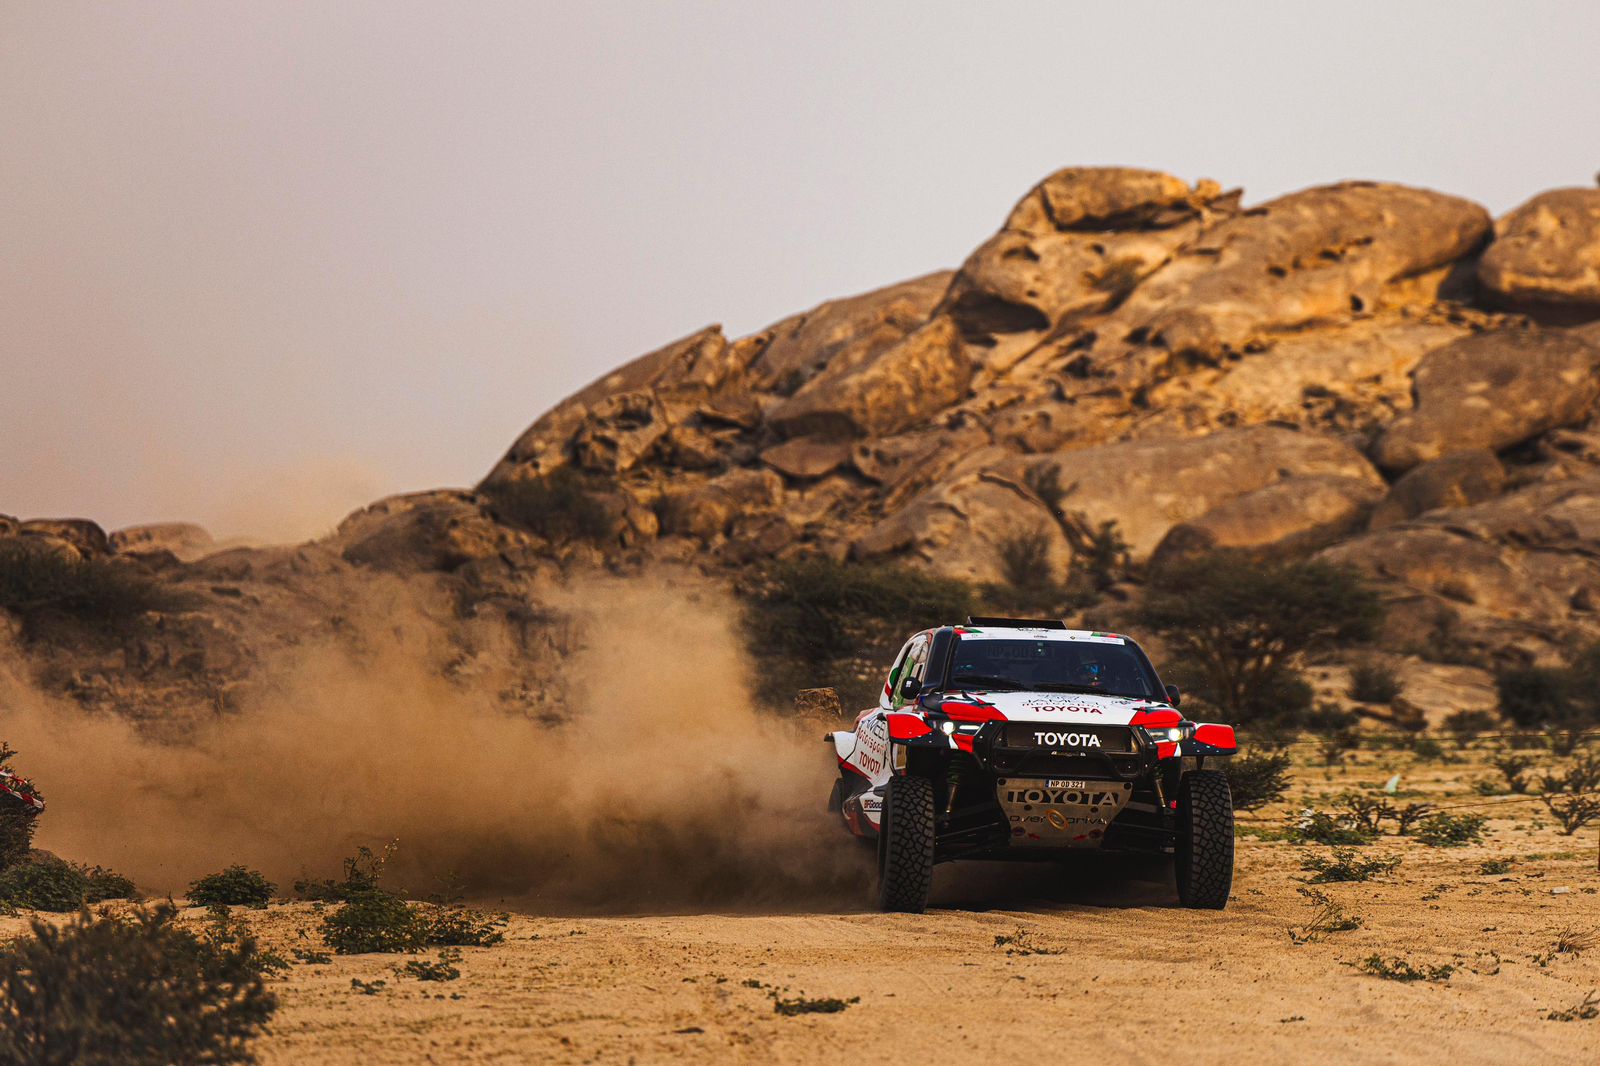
260,263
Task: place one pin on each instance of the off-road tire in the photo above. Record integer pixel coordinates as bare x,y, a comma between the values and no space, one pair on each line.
1204,861
905,845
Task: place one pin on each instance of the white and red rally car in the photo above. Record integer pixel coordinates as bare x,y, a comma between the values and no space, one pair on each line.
1020,739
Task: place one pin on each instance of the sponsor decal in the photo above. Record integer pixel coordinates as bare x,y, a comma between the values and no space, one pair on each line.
1089,796
1049,739
871,804
872,751
1046,706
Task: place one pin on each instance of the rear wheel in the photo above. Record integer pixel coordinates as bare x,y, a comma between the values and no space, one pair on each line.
1204,863
905,845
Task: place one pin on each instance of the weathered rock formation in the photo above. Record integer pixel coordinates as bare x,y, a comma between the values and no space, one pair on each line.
1369,371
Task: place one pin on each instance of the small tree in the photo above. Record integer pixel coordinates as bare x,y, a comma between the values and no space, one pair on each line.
1238,623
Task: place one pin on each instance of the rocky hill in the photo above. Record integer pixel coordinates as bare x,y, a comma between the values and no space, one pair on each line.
1380,374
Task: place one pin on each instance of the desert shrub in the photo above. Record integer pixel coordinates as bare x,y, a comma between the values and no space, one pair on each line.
1584,1010
1373,682
1465,725
1427,749
1573,812
1409,815
37,581
1398,969
235,886
1368,812
375,922
1514,768
1451,830
1328,917
1332,748
130,991
444,969
44,885
106,884
1320,827
561,506
804,618
1257,779
1563,697
1582,775
1238,625
362,872
1025,559
1345,865
462,927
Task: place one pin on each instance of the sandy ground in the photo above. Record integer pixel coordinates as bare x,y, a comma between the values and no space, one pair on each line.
1106,966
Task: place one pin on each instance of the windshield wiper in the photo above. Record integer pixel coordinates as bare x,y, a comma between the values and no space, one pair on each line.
985,681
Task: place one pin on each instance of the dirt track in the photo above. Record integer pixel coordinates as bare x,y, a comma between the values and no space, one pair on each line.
1146,983
1117,971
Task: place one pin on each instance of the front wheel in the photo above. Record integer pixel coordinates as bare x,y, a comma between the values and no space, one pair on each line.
905,845
1204,863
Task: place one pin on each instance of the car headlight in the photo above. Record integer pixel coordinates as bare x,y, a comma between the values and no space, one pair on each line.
1169,734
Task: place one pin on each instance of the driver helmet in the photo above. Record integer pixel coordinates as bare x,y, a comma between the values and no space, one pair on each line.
1091,671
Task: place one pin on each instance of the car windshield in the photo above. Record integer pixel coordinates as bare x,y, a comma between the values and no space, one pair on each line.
1052,666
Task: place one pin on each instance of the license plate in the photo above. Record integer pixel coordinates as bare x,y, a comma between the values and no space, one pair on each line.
1054,783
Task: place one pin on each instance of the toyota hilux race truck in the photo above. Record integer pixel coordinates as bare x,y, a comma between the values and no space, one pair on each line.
1025,740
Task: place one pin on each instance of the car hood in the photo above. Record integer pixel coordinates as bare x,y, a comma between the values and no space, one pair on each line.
1079,707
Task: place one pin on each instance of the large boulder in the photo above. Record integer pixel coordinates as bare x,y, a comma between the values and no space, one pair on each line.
1492,390
1319,254
185,540
845,333
1077,242
1145,487
1295,515
439,530
964,526
1547,251
1459,479
75,536
614,422
709,510
1349,376
901,387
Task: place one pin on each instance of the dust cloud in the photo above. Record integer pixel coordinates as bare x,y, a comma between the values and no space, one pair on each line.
662,788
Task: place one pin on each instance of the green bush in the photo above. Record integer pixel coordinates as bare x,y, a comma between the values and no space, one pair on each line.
1345,865
460,927
1238,624
375,922
1025,560
561,506
804,618
37,581
234,886
1451,830
1465,725
362,872
1257,779
1563,697
1398,969
1373,682
51,884
130,991
107,884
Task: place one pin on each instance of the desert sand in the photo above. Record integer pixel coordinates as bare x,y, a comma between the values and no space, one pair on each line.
1016,963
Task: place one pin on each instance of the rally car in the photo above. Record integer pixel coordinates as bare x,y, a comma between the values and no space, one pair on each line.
1022,739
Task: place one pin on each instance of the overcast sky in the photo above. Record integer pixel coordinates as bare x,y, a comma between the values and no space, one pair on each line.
261,263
